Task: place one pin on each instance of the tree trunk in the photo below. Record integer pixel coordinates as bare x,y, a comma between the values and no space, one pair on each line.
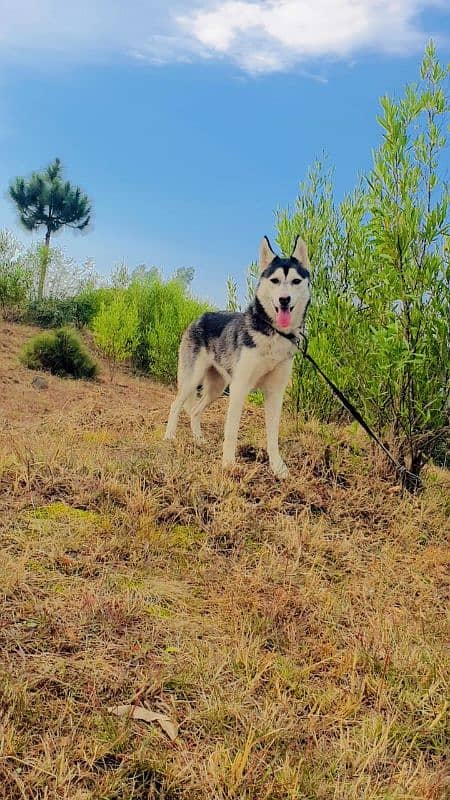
43,266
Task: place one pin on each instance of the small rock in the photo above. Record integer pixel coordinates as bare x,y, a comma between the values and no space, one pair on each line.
39,383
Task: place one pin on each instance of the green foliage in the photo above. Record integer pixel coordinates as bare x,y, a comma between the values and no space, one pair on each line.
164,310
140,317
50,312
88,303
232,295
116,327
170,311
141,293
251,282
60,352
80,310
378,322
14,286
161,312
15,277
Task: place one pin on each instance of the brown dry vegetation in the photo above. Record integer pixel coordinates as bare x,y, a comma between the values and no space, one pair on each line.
294,631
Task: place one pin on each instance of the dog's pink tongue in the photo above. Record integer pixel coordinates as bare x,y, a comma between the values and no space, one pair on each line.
284,318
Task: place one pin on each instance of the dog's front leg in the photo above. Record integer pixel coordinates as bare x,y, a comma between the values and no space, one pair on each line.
239,389
273,386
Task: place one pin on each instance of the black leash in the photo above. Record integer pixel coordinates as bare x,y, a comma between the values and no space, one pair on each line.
410,481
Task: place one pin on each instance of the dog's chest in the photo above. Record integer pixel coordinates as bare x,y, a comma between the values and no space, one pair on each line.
272,351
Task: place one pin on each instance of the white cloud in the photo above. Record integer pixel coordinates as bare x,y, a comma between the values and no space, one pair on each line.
257,35
275,34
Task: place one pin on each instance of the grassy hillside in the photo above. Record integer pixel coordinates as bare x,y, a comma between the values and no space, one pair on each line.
295,632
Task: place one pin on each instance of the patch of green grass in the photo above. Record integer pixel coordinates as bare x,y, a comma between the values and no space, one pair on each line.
156,610
62,511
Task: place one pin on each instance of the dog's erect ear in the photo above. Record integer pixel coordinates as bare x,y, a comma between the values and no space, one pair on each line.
300,252
266,254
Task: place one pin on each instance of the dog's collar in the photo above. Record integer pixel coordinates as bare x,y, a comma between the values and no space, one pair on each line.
290,336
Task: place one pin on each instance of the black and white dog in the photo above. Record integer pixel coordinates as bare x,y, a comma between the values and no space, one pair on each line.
245,351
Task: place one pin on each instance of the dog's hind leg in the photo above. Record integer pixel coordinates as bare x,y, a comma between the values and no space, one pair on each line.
213,386
187,388
192,400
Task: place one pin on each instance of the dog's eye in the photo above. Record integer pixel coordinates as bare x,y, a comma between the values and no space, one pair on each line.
296,281
274,280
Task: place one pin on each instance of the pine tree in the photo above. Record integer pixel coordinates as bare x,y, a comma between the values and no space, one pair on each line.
45,199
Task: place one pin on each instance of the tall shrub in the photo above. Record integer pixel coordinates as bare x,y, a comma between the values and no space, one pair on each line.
380,310
115,328
170,310
141,293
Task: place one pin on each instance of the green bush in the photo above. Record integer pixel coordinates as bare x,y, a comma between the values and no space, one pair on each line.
80,310
140,293
51,312
116,328
170,310
378,322
144,322
60,352
88,303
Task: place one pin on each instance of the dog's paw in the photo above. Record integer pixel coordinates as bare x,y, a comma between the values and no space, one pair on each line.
228,463
199,438
228,456
233,470
169,436
280,469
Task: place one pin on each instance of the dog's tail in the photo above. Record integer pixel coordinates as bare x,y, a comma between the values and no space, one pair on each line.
186,361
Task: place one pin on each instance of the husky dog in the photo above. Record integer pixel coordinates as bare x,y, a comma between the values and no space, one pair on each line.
245,351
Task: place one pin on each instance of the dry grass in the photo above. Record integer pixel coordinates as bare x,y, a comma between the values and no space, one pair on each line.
295,631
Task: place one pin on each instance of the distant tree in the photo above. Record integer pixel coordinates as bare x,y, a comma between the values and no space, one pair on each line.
144,274
184,275
45,199
120,276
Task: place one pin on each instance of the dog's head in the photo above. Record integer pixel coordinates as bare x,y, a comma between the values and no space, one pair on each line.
283,288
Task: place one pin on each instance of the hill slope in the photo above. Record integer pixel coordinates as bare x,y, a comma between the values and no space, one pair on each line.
295,632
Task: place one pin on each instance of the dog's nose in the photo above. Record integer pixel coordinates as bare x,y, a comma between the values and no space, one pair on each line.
285,302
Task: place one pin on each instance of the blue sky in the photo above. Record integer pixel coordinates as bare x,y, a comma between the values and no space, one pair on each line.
188,124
